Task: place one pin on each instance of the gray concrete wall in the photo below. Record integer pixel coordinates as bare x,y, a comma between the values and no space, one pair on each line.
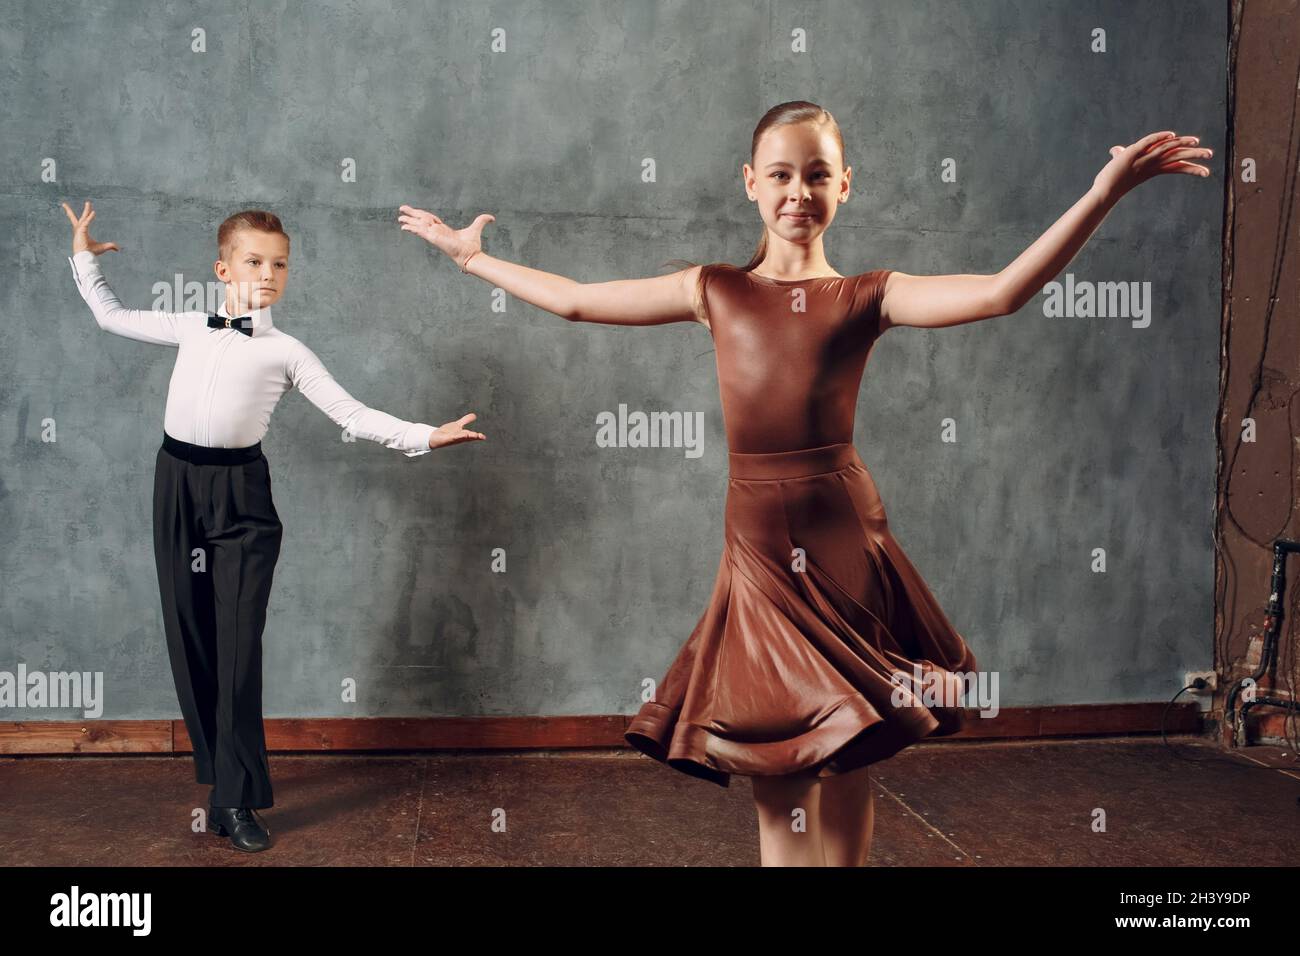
1073,433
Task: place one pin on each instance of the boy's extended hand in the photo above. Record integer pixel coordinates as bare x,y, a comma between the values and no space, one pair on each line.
453,433
1152,155
81,241
460,244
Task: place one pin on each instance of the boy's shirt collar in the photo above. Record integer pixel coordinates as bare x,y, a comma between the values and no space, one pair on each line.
261,318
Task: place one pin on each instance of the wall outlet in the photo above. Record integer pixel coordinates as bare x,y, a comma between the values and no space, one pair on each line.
1210,678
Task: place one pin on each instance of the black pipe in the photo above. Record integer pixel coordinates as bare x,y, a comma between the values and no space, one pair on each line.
1281,548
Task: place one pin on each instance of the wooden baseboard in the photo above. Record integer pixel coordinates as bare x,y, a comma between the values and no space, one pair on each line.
532,733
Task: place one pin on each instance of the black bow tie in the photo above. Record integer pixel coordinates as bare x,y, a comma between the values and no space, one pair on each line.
242,324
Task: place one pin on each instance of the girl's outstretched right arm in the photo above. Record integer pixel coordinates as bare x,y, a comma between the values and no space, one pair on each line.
653,301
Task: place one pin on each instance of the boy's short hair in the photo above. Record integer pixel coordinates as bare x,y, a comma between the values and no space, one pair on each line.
248,219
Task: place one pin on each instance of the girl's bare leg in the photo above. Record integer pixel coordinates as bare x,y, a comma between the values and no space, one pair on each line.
847,818
789,820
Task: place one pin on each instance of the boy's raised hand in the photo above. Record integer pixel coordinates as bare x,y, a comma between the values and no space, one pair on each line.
1152,155
81,241
453,433
460,244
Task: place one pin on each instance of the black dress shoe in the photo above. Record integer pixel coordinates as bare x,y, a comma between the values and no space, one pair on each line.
242,824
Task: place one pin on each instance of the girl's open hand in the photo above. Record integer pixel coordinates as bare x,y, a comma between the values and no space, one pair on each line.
453,433
460,244
81,241
1156,153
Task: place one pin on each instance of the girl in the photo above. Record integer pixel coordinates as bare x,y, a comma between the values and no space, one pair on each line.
808,662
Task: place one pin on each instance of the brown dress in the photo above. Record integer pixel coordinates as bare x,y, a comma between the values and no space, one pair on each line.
806,658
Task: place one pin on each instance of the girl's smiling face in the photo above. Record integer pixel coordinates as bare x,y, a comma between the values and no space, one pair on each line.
797,180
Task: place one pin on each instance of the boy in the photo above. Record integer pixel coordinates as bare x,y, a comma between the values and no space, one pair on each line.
216,531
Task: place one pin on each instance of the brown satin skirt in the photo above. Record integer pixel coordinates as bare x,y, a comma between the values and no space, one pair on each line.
794,667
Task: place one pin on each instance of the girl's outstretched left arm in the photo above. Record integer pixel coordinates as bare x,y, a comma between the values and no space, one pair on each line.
936,301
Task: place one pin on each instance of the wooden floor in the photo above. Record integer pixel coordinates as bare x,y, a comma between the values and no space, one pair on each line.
943,804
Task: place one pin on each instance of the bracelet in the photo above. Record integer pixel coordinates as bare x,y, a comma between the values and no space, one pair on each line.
471,256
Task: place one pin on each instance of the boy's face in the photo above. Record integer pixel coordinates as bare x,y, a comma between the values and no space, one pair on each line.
257,271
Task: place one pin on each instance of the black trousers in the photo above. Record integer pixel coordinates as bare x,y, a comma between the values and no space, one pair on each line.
216,542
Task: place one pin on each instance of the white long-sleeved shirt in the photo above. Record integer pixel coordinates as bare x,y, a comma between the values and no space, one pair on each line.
226,384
